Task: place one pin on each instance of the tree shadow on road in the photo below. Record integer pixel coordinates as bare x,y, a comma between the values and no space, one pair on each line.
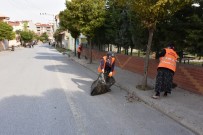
48,114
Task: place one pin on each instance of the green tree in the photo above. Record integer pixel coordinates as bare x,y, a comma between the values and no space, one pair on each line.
113,24
69,20
6,31
150,13
91,15
26,36
58,36
25,26
194,36
44,37
185,28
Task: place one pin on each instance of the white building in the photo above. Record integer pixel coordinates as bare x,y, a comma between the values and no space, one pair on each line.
38,28
68,41
20,25
3,18
45,28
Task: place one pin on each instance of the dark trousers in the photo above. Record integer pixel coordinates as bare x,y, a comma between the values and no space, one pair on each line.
79,55
164,80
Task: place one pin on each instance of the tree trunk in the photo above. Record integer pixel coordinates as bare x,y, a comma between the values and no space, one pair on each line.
117,48
120,48
75,46
111,47
90,51
146,64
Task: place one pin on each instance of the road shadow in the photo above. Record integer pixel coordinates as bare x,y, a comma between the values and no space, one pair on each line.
82,84
47,114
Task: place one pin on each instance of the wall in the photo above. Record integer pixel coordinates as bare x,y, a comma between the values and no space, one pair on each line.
13,43
1,46
187,77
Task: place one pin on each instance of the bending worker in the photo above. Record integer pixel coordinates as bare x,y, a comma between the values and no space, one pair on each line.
106,66
165,71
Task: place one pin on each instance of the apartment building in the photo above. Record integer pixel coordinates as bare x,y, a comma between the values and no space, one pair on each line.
21,25
38,28
3,17
45,28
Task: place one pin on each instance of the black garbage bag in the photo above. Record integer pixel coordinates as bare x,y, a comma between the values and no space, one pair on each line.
99,86
174,85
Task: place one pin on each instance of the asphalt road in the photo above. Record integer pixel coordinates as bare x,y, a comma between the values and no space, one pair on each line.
43,92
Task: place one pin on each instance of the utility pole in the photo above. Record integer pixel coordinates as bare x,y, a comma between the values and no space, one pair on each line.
54,22
55,19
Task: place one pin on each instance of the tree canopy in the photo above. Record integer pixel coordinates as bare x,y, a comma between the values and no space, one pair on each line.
6,31
127,23
83,16
26,36
69,20
150,13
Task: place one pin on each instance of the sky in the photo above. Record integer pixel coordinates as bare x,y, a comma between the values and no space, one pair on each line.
19,10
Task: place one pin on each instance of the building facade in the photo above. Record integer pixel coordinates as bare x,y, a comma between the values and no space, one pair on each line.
22,25
45,28
38,28
4,18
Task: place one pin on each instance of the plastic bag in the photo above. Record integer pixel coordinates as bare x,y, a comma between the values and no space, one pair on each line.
99,86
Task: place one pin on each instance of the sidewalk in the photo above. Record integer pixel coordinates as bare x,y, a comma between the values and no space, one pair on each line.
184,107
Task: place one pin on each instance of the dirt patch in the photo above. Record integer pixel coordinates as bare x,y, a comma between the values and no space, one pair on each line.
131,97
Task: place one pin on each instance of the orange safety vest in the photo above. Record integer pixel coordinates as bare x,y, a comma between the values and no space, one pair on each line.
169,60
79,49
100,66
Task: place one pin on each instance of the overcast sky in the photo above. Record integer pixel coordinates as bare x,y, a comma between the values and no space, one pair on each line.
19,10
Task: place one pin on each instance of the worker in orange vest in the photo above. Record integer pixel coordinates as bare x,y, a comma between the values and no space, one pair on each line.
107,64
79,50
165,71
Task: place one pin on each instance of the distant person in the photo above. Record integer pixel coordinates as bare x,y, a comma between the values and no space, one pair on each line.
33,43
107,64
79,50
165,71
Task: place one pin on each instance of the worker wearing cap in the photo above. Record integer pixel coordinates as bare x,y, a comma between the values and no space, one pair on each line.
106,66
165,71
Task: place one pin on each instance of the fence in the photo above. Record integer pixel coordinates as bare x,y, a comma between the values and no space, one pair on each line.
188,77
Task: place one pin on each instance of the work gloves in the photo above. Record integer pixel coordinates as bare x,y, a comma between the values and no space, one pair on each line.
110,74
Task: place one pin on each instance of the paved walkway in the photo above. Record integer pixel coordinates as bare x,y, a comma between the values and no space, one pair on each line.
183,106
